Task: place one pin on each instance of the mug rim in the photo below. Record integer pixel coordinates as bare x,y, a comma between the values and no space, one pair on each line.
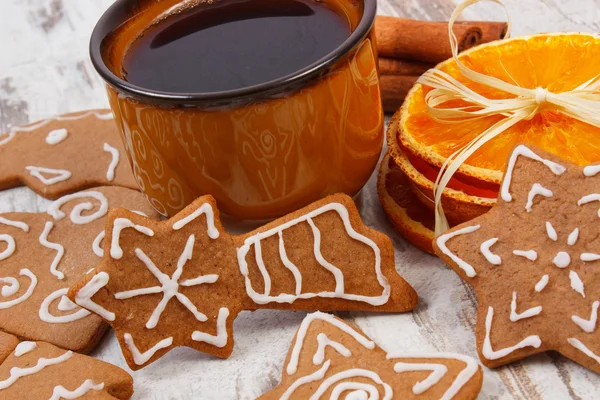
121,10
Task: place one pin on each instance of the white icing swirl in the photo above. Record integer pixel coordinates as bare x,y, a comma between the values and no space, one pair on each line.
77,216
46,316
24,296
10,246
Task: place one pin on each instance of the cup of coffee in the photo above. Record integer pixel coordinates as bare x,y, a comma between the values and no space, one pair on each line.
266,105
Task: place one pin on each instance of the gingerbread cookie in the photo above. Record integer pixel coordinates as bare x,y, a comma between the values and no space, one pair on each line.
533,261
41,371
7,345
331,359
42,254
64,154
182,282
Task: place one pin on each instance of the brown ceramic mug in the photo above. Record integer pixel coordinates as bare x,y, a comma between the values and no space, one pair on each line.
262,151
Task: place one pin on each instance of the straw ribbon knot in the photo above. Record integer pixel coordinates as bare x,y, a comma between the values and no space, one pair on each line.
541,95
581,103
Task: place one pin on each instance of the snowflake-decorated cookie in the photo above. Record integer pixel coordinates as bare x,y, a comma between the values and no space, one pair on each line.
64,154
182,282
330,359
42,254
534,262
41,371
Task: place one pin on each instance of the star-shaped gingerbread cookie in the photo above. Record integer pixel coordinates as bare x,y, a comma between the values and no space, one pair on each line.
534,262
331,359
43,254
182,282
41,371
64,154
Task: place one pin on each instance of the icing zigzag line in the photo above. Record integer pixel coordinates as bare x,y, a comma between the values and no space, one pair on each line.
339,291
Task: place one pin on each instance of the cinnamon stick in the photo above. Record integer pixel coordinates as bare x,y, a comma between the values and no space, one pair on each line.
428,41
493,31
394,89
394,66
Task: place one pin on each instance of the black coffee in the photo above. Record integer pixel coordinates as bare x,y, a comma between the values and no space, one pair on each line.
233,44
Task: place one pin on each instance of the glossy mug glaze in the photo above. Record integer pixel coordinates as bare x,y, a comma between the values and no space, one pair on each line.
261,151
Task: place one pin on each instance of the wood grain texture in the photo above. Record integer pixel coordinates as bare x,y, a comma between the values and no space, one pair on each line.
45,70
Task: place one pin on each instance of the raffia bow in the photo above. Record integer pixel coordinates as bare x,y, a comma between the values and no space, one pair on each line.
581,103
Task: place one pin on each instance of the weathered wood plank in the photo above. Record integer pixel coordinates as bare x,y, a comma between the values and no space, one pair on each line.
437,10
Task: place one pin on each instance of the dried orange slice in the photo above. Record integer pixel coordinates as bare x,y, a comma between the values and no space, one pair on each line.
463,199
408,215
557,62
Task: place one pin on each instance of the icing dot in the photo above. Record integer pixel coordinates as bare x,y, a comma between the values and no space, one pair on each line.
542,283
562,259
531,255
576,283
24,348
590,257
551,231
56,136
573,236
591,170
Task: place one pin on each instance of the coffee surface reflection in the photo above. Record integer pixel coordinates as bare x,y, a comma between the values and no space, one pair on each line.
232,45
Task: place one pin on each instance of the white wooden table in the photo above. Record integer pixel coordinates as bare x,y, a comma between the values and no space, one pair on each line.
45,70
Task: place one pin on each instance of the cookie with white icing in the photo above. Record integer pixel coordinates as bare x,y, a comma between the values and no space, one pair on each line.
331,359
41,371
182,282
7,345
534,261
64,154
42,254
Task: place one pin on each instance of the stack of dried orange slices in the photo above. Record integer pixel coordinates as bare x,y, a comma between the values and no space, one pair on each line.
418,145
